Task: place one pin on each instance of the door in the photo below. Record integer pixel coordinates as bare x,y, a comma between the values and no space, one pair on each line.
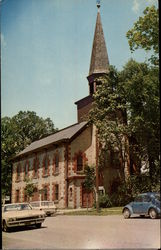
87,198
138,205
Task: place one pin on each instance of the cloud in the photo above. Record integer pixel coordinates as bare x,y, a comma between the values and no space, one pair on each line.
3,42
136,6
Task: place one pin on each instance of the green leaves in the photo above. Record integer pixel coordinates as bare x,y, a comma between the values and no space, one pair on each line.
89,181
17,133
145,33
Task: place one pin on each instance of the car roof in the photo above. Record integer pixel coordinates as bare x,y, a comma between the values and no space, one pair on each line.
10,204
149,193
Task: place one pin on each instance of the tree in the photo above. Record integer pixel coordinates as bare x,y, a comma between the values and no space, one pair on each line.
29,189
89,180
17,133
126,114
145,33
140,84
110,117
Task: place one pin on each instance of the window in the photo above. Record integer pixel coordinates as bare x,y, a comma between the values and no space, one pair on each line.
46,165
36,165
26,169
45,194
17,195
79,163
146,198
25,196
139,199
70,193
18,172
57,163
56,192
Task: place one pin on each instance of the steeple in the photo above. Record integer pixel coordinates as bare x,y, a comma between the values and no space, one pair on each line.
99,59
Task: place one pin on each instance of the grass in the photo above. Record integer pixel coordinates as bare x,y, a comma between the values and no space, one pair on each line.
93,211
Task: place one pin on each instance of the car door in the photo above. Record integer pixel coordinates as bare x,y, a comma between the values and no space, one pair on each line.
137,205
146,203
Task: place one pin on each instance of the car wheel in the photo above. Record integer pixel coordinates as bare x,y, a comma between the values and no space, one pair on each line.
152,213
5,228
38,225
126,213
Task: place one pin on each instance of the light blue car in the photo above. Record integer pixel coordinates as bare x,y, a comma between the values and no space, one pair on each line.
144,204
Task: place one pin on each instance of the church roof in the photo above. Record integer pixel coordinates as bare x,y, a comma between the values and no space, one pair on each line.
99,58
62,135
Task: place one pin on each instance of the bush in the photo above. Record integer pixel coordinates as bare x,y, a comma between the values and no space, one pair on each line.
104,201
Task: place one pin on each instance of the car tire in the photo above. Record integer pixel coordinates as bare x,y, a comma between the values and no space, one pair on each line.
5,228
153,213
38,225
126,213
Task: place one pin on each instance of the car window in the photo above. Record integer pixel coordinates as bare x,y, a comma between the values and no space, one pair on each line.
157,196
138,199
146,198
35,204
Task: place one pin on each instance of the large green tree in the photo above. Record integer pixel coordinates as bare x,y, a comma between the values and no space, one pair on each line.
17,133
145,33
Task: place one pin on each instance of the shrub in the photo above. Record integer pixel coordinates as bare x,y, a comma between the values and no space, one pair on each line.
104,201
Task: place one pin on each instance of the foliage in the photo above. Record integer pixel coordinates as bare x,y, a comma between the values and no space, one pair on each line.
140,84
17,133
126,105
29,189
145,33
104,201
89,180
134,185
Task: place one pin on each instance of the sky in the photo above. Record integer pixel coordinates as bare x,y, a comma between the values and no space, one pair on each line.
46,48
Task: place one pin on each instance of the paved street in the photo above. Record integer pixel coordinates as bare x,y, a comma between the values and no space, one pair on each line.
87,232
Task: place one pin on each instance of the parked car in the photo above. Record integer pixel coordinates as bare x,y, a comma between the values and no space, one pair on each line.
146,204
20,214
47,206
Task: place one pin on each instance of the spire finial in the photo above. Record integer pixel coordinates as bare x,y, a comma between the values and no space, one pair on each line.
98,4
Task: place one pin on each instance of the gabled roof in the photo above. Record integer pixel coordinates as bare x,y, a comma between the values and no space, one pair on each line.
65,134
99,58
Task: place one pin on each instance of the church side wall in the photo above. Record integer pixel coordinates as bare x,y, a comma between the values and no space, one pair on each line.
49,180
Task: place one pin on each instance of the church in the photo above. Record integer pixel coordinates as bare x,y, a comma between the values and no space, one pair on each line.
55,164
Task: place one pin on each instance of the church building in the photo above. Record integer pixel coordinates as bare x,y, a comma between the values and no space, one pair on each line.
55,164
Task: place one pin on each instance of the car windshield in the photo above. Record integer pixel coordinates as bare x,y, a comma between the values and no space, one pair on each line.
157,196
15,207
47,203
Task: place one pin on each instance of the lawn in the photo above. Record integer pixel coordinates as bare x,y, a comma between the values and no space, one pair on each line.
93,211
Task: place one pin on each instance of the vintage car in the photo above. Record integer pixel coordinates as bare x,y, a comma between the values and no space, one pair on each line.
47,206
146,204
21,214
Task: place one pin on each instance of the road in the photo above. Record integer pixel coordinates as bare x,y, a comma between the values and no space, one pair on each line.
87,232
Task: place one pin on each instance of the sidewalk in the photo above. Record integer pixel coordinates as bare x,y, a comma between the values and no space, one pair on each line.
63,211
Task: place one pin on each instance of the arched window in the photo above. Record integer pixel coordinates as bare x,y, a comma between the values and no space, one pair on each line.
45,193
18,171
46,165
56,163
36,166
26,168
79,163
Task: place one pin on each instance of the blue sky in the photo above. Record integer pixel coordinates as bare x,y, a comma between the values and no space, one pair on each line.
46,48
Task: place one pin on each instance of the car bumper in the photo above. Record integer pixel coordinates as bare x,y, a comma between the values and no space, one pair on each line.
24,223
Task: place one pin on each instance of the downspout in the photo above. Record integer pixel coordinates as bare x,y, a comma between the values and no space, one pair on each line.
66,174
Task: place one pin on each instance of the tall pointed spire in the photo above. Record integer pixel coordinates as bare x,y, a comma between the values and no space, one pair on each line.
99,58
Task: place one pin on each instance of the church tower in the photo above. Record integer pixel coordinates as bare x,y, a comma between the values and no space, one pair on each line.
99,66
